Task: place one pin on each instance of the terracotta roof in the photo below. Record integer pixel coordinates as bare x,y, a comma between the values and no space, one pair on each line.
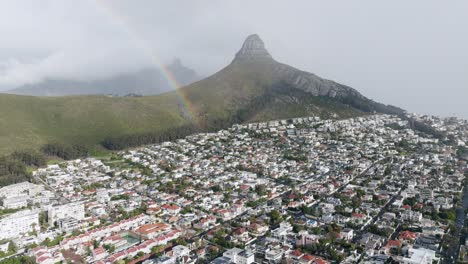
321,261
358,215
308,257
170,207
296,253
152,228
98,251
407,235
393,243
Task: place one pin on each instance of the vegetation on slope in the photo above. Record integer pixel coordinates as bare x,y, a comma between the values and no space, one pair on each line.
30,122
12,171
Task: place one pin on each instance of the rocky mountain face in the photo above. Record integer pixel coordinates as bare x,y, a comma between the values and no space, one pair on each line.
253,51
254,55
254,86
148,81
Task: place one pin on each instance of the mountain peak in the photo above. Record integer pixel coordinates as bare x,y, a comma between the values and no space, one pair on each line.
253,49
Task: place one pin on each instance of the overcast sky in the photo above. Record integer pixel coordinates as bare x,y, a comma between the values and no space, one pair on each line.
412,54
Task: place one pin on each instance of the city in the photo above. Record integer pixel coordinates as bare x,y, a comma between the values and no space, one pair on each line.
304,190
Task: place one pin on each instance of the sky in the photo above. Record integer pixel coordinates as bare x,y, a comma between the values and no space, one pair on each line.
411,54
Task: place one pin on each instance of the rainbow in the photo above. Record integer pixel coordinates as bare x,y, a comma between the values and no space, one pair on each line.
187,109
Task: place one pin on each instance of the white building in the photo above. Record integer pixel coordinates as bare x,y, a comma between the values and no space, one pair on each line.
22,188
180,251
68,224
245,257
19,223
239,256
73,210
102,195
411,216
420,256
15,202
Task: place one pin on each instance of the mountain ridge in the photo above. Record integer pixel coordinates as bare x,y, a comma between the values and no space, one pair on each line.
253,87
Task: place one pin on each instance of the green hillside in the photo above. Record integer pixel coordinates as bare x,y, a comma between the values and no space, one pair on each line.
29,122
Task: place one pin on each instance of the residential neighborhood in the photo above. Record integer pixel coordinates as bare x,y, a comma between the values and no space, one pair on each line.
371,189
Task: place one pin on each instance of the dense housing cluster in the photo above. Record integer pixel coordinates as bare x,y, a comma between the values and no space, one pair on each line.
304,190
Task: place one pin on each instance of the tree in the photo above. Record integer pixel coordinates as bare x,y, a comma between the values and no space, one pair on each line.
448,214
30,157
356,202
216,188
12,247
261,189
388,170
275,217
65,151
12,171
43,220
19,260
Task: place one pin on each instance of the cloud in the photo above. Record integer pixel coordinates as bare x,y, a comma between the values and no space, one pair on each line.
408,53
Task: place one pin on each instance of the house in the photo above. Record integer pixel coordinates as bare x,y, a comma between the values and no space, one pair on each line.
420,255
347,234
282,230
153,210
205,222
274,255
238,256
294,255
408,236
411,216
241,234
358,218
306,239
150,231
171,208
4,246
307,259
99,253
224,214
245,257
392,244
180,251
258,229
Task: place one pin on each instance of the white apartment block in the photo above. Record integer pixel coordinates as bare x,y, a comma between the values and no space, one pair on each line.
21,222
19,189
70,210
15,202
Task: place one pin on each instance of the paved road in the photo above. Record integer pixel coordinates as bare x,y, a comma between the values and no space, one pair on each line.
453,252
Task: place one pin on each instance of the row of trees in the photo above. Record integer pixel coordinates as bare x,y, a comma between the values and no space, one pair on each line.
462,152
366,105
14,168
65,151
12,171
19,260
30,158
136,140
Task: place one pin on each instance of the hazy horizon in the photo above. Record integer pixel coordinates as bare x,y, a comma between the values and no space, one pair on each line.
409,54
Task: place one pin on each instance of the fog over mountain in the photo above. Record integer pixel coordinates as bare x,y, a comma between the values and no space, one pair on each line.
148,81
411,54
